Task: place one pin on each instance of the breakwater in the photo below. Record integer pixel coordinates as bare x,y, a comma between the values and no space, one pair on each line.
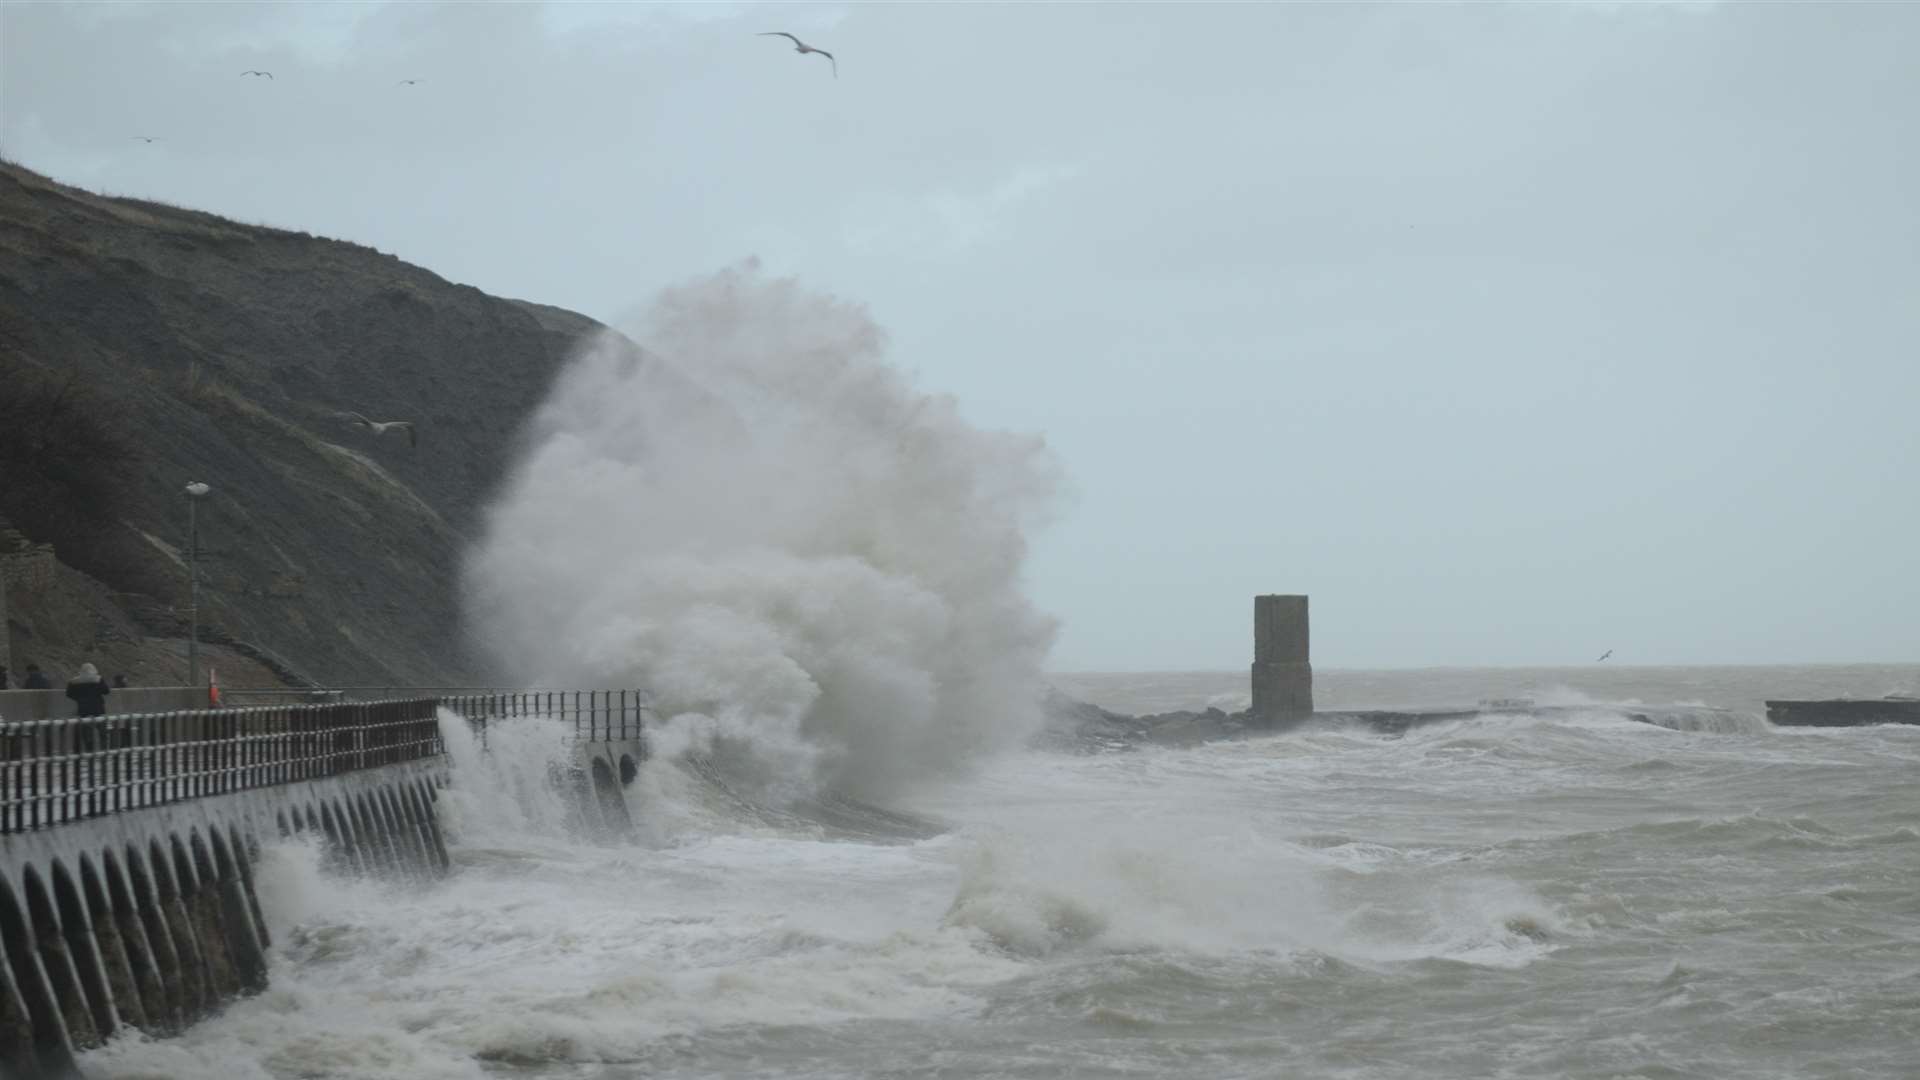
1846,712
127,843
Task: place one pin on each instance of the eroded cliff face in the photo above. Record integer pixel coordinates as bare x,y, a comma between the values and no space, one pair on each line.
144,346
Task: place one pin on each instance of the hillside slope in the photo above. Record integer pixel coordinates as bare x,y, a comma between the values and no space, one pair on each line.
144,346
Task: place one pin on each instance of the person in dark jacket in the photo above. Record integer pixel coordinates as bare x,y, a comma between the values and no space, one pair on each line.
89,692
36,679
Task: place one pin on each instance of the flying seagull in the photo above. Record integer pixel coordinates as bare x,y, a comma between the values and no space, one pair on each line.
381,427
803,48
1604,655
148,138
248,72
408,82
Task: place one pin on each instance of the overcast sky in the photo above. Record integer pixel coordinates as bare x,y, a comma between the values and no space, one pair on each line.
1510,334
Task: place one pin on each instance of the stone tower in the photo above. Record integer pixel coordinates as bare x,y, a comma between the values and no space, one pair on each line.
1282,674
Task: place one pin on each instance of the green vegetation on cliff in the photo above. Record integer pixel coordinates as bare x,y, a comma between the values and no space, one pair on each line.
144,346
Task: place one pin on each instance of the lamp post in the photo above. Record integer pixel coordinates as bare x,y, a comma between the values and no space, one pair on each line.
195,492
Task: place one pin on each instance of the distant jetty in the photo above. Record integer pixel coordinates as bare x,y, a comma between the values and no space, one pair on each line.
1282,683
1845,712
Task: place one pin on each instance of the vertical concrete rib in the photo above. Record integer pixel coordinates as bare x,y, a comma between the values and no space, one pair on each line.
58,961
196,995
150,905
355,833
143,960
373,840
406,839
339,841
201,894
246,852
243,941
425,795
16,1022
49,1048
105,974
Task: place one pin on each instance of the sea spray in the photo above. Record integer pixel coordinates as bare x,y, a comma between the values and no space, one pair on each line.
812,565
1497,895
510,788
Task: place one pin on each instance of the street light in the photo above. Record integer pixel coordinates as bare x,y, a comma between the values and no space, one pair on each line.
195,492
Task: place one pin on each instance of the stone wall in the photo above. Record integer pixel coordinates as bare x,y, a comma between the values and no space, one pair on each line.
25,567
30,570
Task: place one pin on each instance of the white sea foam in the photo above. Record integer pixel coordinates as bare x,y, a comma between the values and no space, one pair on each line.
509,789
1295,890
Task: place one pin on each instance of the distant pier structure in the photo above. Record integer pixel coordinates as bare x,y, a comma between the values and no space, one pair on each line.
1850,712
1282,673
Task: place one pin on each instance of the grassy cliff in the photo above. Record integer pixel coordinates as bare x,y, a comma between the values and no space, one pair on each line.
143,346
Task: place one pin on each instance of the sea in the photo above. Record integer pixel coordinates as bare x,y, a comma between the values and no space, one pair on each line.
1552,892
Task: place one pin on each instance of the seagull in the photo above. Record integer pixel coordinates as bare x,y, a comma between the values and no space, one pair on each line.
381,427
1604,655
803,48
148,138
408,82
244,74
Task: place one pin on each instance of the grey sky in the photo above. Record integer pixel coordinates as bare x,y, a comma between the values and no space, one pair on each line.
1509,333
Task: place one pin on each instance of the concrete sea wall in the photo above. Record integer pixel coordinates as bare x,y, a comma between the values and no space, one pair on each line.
150,918
127,847
1282,661
128,841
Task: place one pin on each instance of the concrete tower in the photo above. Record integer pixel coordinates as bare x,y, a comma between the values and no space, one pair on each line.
1282,675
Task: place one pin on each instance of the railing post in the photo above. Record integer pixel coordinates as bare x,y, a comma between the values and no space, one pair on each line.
32,740
302,742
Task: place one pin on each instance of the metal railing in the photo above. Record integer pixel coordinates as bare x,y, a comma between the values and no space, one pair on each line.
597,715
54,771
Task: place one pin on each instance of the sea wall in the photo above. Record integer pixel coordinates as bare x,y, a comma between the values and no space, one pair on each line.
128,842
149,917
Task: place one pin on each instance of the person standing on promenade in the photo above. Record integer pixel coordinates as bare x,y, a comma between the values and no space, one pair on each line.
89,693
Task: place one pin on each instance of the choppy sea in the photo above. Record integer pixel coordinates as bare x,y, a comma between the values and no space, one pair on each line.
1570,894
